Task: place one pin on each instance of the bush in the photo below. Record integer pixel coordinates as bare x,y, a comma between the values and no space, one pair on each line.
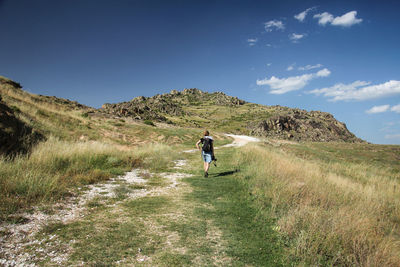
15,109
149,122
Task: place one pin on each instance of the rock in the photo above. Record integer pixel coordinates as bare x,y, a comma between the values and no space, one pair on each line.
301,125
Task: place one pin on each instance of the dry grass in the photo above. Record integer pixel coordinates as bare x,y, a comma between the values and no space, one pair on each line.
330,213
55,166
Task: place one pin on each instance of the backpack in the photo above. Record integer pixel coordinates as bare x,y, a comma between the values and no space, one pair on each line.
207,145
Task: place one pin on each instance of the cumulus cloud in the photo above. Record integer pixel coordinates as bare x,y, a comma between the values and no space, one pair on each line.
274,25
296,37
359,90
345,20
323,73
324,18
396,108
310,67
281,86
302,15
378,109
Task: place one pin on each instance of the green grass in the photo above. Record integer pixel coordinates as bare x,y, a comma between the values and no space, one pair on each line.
330,208
206,222
385,156
249,236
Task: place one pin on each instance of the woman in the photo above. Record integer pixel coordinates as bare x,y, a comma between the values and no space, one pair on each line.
207,150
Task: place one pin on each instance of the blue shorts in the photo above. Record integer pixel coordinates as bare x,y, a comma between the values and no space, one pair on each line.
207,156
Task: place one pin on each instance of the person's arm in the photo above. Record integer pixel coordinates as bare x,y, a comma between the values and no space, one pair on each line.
197,144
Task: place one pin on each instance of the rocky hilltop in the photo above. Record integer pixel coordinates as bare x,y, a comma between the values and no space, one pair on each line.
299,125
23,114
196,108
159,107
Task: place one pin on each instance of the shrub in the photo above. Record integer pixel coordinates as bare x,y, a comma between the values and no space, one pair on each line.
149,122
15,109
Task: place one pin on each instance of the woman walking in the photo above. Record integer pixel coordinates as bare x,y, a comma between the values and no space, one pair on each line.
207,150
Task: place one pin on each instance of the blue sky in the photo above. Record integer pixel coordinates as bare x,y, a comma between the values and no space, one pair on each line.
340,57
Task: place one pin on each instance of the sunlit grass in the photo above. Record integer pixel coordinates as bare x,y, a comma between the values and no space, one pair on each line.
330,213
53,167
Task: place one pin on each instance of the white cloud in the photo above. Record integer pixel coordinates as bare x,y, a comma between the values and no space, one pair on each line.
269,64
252,41
291,67
345,20
324,73
284,85
396,108
274,24
378,109
310,67
359,90
324,18
296,37
302,15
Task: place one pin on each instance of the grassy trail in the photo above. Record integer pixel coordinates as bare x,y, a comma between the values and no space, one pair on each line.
192,221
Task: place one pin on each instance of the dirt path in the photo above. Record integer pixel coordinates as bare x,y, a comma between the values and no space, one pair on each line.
53,235
238,141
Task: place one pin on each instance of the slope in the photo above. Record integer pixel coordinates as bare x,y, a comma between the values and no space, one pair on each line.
195,108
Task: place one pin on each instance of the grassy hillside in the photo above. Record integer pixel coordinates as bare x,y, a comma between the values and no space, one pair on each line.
334,204
80,149
271,203
69,120
195,108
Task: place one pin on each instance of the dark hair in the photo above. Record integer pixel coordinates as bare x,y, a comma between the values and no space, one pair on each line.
206,133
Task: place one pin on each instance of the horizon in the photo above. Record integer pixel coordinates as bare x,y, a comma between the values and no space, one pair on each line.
339,57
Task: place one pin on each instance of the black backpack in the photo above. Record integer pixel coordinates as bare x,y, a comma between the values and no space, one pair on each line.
207,145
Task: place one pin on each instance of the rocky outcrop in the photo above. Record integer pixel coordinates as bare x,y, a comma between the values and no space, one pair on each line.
6,81
144,108
300,125
170,104
15,136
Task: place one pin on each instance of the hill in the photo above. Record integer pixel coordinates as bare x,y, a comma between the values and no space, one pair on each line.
50,116
15,136
196,108
269,203
191,109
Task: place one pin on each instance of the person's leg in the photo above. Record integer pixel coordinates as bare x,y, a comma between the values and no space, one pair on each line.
207,160
206,166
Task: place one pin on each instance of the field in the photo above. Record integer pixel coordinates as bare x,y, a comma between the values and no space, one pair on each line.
334,204
270,203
